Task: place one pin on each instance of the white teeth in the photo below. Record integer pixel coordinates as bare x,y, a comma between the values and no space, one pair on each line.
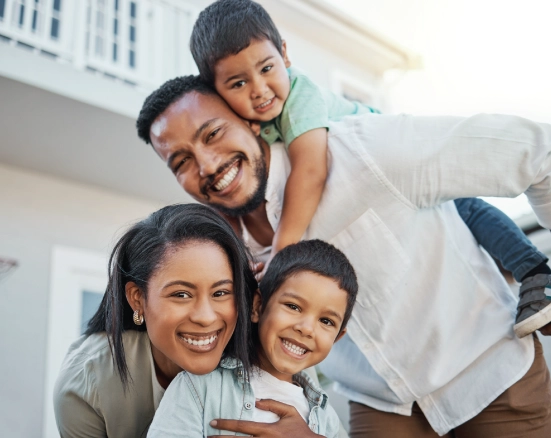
201,341
228,178
294,348
262,105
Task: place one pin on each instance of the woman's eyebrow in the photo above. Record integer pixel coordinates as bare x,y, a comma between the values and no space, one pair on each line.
180,283
222,282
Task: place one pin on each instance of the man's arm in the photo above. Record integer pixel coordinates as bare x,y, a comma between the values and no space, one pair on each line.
430,160
290,425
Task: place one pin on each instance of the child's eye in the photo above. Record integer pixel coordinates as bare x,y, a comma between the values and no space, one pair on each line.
267,68
327,321
221,293
238,84
293,307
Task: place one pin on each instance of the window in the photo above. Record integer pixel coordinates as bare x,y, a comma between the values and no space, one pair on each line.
56,17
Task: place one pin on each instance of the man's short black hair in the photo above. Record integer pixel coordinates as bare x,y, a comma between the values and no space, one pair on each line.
225,28
157,102
314,256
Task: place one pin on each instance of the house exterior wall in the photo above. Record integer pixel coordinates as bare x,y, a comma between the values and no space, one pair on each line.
39,212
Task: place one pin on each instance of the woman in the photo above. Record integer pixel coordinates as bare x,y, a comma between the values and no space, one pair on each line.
178,297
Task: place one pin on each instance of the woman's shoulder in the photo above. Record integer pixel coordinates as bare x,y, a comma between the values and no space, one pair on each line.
89,362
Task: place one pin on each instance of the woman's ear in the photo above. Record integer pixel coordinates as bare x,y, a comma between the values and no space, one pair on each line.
340,335
257,307
284,54
134,296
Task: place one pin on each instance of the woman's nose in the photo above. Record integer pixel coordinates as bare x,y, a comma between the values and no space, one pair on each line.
203,313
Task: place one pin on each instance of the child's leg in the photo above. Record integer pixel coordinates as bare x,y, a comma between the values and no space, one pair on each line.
499,235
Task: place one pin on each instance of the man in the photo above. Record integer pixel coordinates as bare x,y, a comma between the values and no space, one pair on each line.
431,335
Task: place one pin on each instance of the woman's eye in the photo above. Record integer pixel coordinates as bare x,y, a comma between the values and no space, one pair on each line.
293,307
181,295
213,134
327,321
267,68
221,293
238,84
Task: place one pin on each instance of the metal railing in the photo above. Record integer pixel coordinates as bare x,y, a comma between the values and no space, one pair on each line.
139,42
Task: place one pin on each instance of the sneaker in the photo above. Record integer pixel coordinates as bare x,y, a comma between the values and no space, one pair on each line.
534,307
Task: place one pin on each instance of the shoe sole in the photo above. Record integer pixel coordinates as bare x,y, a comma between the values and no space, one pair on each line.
536,321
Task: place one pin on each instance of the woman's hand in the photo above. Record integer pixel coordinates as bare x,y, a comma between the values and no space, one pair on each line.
291,424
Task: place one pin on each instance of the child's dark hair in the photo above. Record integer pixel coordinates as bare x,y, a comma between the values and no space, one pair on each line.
141,251
315,256
225,28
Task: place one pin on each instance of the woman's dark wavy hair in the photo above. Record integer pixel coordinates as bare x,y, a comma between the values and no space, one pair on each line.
141,251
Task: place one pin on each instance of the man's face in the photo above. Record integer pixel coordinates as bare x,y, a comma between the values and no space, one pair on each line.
213,153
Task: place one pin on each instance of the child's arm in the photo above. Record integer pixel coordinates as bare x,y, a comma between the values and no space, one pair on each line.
501,237
308,156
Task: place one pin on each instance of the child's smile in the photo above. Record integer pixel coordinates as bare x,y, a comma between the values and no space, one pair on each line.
299,324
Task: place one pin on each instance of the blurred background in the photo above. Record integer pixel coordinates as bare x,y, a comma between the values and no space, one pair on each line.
73,76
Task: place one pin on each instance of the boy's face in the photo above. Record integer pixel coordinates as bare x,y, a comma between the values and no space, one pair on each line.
254,82
299,324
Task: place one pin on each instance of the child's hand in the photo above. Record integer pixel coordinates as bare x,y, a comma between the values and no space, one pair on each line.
291,424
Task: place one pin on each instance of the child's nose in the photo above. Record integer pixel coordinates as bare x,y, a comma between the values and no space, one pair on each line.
305,327
259,88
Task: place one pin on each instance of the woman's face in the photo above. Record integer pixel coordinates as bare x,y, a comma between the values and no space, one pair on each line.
190,309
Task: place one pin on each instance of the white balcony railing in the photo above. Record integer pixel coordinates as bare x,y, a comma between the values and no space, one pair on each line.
140,42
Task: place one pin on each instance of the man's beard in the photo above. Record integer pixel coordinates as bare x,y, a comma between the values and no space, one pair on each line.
259,195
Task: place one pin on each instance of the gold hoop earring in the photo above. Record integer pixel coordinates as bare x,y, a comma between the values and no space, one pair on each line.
138,319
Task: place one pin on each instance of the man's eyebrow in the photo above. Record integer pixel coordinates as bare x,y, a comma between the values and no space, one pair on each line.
231,78
300,299
196,135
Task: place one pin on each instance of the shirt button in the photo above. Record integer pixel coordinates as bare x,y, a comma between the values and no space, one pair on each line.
248,405
266,131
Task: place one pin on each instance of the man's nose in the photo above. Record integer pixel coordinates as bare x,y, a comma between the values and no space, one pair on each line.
208,162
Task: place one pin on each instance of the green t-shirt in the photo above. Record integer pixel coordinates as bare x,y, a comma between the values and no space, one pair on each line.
308,107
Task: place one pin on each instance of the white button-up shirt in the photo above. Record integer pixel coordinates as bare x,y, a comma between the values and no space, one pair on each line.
433,316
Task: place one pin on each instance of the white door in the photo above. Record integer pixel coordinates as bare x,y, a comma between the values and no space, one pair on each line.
78,280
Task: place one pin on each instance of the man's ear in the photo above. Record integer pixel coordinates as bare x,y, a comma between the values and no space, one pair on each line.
284,54
340,335
257,307
135,297
255,127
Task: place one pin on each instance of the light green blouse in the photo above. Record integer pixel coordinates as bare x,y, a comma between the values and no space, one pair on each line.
308,107
89,399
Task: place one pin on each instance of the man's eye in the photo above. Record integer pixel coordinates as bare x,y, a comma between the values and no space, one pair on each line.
180,164
238,84
293,307
267,68
327,321
213,134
